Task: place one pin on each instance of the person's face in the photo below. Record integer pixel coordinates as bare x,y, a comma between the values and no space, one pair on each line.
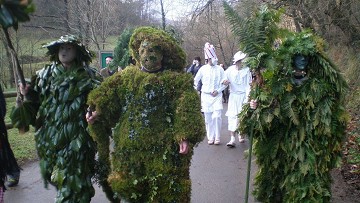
300,62
211,62
150,56
108,60
67,53
238,64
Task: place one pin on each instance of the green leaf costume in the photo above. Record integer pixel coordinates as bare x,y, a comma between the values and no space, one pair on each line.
300,120
58,100
150,113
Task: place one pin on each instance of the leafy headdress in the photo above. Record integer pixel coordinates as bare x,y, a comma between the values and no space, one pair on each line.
83,54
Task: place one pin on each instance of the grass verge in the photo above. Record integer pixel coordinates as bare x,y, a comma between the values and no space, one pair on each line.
23,146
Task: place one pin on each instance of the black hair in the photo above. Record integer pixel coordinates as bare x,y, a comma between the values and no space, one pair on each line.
197,58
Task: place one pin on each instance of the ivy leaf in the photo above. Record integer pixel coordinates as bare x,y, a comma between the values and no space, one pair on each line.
304,168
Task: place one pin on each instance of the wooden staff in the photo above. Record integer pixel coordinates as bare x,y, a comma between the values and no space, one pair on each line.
18,73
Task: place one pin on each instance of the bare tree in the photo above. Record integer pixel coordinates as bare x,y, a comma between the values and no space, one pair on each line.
210,25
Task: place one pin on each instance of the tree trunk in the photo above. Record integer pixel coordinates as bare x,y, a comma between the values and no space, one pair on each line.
163,19
15,60
67,18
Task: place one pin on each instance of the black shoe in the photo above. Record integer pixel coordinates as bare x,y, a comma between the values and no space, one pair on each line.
12,181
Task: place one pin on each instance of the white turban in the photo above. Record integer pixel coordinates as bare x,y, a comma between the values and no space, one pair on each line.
209,51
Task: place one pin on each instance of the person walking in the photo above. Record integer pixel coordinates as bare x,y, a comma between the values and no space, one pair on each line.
56,106
153,101
212,77
194,68
8,163
239,80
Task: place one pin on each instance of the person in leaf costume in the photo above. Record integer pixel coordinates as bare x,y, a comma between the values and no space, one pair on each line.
55,103
154,112
297,117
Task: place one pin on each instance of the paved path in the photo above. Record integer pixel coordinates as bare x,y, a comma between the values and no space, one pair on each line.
218,175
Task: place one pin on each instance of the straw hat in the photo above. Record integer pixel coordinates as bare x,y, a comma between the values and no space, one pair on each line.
239,56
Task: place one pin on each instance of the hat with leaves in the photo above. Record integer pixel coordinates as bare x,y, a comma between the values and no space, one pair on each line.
53,47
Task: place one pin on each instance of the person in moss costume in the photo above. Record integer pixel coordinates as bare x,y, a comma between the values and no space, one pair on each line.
55,103
299,122
155,112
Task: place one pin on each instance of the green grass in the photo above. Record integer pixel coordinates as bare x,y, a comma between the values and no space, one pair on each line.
23,145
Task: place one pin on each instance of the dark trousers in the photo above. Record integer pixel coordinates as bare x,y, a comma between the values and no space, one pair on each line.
9,164
226,93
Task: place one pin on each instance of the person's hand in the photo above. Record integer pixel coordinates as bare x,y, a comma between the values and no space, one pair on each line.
184,147
226,82
24,90
91,116
214,93
253,104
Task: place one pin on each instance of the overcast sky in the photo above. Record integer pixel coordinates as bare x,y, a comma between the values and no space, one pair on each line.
173,8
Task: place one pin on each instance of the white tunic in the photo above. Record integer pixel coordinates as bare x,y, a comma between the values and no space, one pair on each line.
239,87
211,78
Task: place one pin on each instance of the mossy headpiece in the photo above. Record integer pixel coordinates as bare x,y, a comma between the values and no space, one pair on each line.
174,57
53,48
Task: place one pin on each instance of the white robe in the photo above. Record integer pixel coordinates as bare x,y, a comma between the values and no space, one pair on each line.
211,78
239,87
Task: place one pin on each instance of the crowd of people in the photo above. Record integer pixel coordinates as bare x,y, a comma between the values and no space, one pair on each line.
126,109
133,119
67,145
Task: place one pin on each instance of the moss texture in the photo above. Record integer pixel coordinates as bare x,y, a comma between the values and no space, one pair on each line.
150,114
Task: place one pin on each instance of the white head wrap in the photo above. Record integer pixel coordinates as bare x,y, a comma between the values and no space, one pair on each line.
209,51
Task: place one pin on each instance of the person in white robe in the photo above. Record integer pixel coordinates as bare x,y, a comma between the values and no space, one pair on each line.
212,77
238,77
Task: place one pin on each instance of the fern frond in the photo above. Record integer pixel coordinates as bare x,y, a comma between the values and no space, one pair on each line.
288,110
257,34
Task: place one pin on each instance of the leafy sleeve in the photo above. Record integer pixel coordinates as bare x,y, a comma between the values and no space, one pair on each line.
189,123
105,101
24,114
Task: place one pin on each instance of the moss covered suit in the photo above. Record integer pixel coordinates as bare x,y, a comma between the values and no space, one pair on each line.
150,113
56,105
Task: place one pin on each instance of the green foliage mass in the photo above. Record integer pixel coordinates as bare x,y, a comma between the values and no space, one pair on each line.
149,114
122,55
65,149
298,126
15,11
